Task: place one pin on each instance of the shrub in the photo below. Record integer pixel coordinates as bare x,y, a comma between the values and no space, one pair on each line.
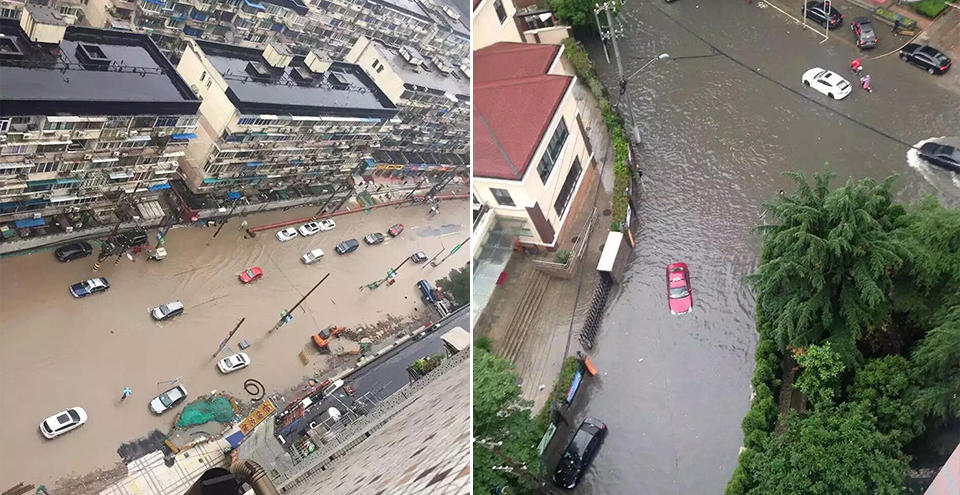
930,8
483,343
562,256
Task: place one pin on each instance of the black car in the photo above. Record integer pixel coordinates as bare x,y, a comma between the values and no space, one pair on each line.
134,238
817,11
347,246
941,155
863,30
73,251
579,453
418,257
926,57
374,238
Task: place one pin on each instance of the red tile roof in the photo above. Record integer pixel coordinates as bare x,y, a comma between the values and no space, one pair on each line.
506,60
510,118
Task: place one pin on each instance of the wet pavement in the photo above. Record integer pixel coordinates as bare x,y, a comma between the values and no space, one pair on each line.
60,352
718,132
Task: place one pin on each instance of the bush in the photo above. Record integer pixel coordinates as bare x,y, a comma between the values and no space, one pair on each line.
483,343
930,8
427,364
562,257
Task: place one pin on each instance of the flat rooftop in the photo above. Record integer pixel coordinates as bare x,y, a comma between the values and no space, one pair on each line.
128,75
443,19
344,90
418,76
410,7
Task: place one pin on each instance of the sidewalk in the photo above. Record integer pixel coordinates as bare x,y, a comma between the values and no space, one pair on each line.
944,34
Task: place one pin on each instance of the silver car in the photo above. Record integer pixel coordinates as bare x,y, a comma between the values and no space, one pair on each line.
167,400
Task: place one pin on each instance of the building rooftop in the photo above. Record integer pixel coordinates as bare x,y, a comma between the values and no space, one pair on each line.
91,72
294,5
47,15
505,60
256,87
441,15
510,118
458,84
411,7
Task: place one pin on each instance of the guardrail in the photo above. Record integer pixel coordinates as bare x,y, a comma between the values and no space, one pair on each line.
561,270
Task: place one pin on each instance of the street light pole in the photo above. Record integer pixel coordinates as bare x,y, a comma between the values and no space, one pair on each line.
295,306
607,7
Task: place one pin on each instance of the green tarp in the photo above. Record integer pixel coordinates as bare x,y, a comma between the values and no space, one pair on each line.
198,413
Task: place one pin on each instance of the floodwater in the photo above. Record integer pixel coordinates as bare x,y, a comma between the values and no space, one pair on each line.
717,136
60,352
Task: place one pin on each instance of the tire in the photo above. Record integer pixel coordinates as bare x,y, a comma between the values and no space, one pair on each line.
931,71
806,83
903,57
831,96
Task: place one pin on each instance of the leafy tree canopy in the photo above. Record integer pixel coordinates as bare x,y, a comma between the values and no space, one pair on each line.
576,12
937,359
820,377
457,283
885,387
834,450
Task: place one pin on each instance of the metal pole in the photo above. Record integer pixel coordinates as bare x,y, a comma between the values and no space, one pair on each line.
325,203
235,204
596,17
229,336
826,25
295,306
623,81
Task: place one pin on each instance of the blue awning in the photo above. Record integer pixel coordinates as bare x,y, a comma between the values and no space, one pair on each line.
368,162
12,204
235,439
312,173
296,161
254,164
234,195
277,27
184,136
48,182
254,5
67,181
34,202
29,222
178,18
157,2
211,180
159,187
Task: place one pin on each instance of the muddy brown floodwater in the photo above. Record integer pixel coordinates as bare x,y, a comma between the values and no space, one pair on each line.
58,352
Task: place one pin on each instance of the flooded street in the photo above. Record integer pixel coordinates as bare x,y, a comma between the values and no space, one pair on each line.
60,352
718,130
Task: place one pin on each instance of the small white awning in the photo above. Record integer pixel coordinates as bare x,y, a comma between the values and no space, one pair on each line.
104,160
175,153
62,199
120,175
138,138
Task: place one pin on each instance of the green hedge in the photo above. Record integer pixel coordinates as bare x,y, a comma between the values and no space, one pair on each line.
614,122
570,367
929,8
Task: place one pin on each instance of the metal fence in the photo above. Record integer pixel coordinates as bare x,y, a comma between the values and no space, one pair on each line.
589,332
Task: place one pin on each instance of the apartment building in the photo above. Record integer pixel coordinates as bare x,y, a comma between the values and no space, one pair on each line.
433,95
271,120
85,115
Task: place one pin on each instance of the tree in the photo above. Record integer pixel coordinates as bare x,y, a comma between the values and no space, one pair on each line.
834,450
937,359
885,387
820,377
576,12
500,415
827,262
457,284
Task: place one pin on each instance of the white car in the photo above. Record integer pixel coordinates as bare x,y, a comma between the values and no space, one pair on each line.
62,422
233,363
168,399
166,311
309,228
827,82
286,234
327,224
312,257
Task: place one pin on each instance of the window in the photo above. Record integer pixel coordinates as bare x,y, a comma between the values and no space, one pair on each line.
166,121
502,196
141,122
501,12
552,153
203,75
4,125
566,192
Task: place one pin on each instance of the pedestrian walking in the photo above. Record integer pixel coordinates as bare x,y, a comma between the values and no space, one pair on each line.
856,65
243,225
125,393
865,82
896,25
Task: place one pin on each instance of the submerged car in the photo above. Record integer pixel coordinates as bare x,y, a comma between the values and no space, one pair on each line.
309,228
312,257
73,251
418,257
327,224
579,453
679,295
374,238
827,82
167,311
234,362
926,57
395,230
347,246
866,36
941,155
286,234
62,422
167,400
251,274
87,287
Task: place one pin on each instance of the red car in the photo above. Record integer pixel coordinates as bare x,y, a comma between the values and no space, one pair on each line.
678,289
251,274
395,230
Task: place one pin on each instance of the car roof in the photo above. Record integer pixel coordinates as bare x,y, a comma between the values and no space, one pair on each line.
929,50
174,305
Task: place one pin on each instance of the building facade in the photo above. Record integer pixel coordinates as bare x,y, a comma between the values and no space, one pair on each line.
433,96
86,115
271,120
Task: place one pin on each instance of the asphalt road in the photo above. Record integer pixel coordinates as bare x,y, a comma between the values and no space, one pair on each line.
387,374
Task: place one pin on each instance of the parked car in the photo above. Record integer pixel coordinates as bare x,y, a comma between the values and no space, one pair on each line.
286,234
941,155
133,238
309,228
167,400
347,246
374,238
312,257
62,422
234,362
579,453
817,11
926,57
395,230
679,294
427,292
418,257
87,287
251,274
327,224
167,311
73,251
863,32
322,339
827,82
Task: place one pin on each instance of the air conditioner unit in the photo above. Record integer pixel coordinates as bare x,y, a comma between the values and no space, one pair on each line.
37,216
116,154
122,134
3,138
88,156
31,135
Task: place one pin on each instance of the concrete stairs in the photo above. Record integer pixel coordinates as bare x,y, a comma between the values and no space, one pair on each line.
524,316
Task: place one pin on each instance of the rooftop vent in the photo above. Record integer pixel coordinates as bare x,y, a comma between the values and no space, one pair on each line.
316,63
338,81
258,70
277,55
451,13
43,24
302,75
92,56
411,55
441,64
9,48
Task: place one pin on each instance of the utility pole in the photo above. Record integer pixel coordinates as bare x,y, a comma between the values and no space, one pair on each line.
332,195
289,313
223,343
390,274
235,204
111,240
607,7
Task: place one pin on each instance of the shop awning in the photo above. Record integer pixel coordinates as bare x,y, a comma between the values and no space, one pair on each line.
158,187
234,195
157,2
35,183
120,175
12,204
254,164
7,166
184,136
29,222
34,202
368,162
258,6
